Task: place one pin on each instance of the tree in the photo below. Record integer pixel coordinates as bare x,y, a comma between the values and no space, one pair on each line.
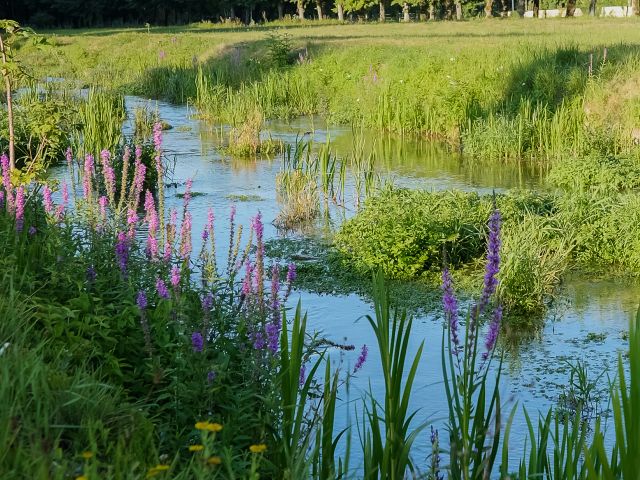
571,8
12,70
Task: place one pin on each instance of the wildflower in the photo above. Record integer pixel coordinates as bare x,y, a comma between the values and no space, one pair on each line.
161,54
211,376
153,223
157,137
86,181
65,194
32,231
91,274
1,199
361,359
109,174
161,288
492,333
258,340
209,427
260,448
82,477
197,341
450,306
185,236
196,448
435,455
215,460
6,181
175,276
246,283
258,227
139,172
46,197
207,302
141,300
20,208
132,217
493,260
291,277
122,252
87,455
102,201
187,194
303,374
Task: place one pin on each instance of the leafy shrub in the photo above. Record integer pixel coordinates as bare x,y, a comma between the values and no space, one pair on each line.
596,173
405,232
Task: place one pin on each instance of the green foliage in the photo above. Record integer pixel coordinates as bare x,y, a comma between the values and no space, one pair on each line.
599,174
388,433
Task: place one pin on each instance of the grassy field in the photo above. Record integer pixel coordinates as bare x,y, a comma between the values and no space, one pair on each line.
498,89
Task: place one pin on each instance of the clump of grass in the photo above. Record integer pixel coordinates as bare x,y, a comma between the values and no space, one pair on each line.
245,141
298,193
101,117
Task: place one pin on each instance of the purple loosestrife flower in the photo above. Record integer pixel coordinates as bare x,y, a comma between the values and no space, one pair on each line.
153,223
272,330
157,142
69,156
207,302
138,153
259,341
20,208
46,198
1,198
275,288
103,201
185,236
109,174
492,333
122,252
291,277
65,194
435,455
187,194
161,287
141,300
86,180
32,231
91,274
175,276
493,260
258,227
211,376
246,283
6,181
303,374
197,341
139,174
361,359
450,306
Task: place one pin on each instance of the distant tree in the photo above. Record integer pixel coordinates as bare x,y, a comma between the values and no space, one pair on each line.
12,71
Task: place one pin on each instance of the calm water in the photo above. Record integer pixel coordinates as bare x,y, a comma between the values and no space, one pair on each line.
588,324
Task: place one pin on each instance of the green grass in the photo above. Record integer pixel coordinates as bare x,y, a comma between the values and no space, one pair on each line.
499,89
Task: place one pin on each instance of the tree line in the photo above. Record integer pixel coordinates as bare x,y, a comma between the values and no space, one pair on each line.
96,13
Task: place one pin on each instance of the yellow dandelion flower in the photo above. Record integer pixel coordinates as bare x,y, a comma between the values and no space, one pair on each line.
82,477
87,455
214,460
196,448
202,425
258,448
214,427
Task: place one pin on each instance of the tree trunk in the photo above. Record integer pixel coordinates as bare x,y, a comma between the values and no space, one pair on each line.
536,8
405,12
382,12
432,11
340,8
521,7
448,14
571,8
634,7
592,8
7,86
319,9
300,10
280,10
458,10
488,8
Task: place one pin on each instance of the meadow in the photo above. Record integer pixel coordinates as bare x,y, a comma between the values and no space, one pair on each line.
147,336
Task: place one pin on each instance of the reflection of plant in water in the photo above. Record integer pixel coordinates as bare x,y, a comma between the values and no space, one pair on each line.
580,396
